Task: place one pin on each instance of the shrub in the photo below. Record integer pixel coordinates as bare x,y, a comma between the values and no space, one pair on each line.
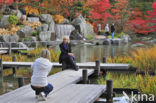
34,33
58,18
119,35
12,19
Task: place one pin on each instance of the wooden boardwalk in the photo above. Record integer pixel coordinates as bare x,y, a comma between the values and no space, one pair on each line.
65,90
105,66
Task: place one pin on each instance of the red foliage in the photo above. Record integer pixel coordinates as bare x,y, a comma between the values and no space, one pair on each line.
152,16
100,11
119,9
7,1
138,24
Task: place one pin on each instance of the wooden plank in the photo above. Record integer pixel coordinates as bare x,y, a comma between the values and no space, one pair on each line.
107,66
73,93
3,52
58,80
15,49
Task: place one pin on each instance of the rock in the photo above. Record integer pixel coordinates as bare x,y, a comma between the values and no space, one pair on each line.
52,27
125,39
24,17
33,19
116,41
22,45
44,27
65,21
10,38
18,13
152,41
45,35
46,18
22,11
6,10
75,35
3,22
106,42
81,25
137,45
25,31
145,38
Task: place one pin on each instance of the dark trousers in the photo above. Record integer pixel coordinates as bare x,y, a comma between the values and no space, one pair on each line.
47,89
70,61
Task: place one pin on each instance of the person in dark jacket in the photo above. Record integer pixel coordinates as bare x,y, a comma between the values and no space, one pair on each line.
112,30
66,55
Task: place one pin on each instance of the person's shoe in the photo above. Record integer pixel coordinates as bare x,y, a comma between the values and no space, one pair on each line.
37,96
42,97
77,68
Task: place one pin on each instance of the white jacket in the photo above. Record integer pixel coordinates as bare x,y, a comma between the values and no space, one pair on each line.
106,29
41,68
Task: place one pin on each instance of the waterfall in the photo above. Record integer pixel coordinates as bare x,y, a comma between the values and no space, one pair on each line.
63,30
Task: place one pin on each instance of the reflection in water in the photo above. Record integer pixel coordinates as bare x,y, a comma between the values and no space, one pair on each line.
91,53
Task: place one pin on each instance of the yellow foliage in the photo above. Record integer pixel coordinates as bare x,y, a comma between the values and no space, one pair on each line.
90,24
58,18
31,10
145,58
32,24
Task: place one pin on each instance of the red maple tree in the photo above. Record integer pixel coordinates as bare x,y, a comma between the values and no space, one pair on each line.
137,23
100,11
120,12
152,16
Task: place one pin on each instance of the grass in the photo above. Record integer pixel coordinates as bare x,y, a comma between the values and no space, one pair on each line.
145,84
33,55
143,58
90,37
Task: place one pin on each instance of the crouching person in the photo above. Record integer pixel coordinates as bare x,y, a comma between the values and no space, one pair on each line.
41,68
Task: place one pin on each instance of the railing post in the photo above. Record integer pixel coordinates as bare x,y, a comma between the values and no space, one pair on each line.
9,51
20,82
109,89
1,66
14,68
85,76
97,68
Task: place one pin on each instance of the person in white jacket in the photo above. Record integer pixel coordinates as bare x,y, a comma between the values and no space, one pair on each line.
41,68
107,30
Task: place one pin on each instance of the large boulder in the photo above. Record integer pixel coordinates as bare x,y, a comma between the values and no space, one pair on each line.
81,25
126,39
45,35
75,35
3,22
52,27
10,38
65,21
18,13
43,27
46,18
138,45
25,31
